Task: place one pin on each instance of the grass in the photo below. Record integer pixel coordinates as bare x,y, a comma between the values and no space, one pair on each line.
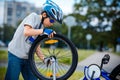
3,55
82,54
2,73
76,75
117,53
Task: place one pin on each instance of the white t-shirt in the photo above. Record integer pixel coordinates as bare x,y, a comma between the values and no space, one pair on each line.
18,45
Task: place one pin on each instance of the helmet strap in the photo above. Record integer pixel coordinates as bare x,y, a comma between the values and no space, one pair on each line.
43,18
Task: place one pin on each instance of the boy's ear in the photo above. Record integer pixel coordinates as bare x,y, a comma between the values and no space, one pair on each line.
44,14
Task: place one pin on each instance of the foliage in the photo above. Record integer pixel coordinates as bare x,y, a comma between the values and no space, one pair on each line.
105,30
1,33
115,32
8,32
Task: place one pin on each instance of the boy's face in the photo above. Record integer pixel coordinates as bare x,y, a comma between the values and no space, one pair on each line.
47,21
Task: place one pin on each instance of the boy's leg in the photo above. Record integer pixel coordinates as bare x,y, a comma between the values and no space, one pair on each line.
13,69
26,72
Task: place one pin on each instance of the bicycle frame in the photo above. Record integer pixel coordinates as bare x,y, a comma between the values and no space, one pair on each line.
105,74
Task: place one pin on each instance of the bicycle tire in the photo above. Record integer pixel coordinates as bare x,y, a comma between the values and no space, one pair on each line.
73,51
115,74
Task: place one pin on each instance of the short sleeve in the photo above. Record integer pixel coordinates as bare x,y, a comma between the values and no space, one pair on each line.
30,20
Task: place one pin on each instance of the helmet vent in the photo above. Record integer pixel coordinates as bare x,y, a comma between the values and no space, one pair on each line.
53,11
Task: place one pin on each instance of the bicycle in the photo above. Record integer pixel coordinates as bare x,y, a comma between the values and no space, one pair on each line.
62,54
62,68
95,72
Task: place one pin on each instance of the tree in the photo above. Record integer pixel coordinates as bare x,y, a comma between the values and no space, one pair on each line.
115,32
100,16
1,33
8,32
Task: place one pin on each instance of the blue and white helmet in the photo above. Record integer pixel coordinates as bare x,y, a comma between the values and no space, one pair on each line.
53,11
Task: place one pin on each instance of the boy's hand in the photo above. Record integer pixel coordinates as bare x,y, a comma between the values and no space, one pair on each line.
49,32
52,34
47,61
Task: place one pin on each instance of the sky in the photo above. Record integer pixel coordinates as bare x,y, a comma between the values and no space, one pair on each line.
67,6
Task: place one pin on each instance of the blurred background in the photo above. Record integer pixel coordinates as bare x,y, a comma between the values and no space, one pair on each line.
92,25
98,20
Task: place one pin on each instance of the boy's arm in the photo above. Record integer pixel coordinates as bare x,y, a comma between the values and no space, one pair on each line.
29,31
39,53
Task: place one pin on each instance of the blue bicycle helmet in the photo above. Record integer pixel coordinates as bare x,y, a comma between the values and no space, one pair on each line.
53,11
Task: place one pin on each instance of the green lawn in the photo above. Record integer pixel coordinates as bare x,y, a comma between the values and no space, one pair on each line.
82,54
3,55
117,53
2,73
76,75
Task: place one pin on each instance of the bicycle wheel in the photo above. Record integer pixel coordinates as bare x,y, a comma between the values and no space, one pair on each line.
115,74
61,49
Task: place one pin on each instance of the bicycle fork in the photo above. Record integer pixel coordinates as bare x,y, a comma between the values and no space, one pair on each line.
53,60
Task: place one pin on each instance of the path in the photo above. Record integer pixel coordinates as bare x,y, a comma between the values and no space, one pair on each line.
96,59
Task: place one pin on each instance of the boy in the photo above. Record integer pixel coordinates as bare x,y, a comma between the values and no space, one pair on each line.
30,27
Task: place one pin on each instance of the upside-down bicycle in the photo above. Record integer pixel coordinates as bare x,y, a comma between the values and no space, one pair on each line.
95,72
